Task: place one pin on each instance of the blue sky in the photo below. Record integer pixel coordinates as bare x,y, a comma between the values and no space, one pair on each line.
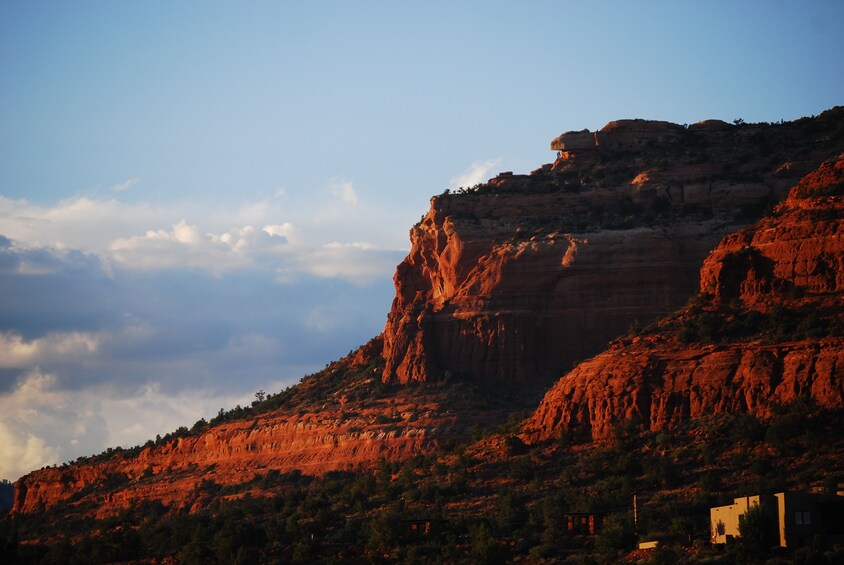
202,199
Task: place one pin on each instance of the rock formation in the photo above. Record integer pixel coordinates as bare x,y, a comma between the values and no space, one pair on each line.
227,454
516,279
766,329
510,282
341,419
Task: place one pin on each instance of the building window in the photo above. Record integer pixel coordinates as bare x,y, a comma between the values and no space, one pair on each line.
798,518
807,518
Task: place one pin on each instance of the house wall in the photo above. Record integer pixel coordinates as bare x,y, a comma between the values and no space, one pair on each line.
799,518
729,515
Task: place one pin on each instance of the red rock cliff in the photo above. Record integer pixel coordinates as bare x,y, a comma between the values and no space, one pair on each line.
518,278
771,299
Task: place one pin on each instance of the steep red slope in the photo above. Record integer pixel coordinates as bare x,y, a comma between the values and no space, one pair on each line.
341,419
227,454
772,301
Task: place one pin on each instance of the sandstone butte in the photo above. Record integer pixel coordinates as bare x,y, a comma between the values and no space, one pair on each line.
790,262
530,273
511,282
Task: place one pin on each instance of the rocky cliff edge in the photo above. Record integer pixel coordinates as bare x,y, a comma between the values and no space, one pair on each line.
766,329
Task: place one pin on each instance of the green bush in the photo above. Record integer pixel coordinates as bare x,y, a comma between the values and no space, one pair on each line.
515,446
756,532
485,549
616,535
523,469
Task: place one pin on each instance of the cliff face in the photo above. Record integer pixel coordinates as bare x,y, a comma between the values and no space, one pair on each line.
765,330
518,278
226,454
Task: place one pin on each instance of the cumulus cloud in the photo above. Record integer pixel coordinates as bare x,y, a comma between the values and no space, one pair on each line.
123,320
43,424
185,245
22,451
81,223
36,420
132,420
125,185
345,192
285,230
16,352
145,237
477,173
357,262
91,358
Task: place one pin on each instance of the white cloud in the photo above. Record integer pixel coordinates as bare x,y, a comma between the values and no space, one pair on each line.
186,246
147,237
477,173
78,223
357,262
22,452
42,424
124,320
15,352
132,420
120,187
345,192
35,420
285,230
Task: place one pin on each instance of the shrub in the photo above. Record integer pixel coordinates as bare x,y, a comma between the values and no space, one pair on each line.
511,514
746,428
756,531
515,445
616,535
523,469
485,549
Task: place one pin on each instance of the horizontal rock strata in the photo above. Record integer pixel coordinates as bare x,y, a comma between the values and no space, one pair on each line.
787,272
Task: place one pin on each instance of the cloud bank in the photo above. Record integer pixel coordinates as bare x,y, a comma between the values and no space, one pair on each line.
122,320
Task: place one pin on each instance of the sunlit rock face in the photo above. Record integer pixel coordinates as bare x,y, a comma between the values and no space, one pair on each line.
519,278
787,273
340,419
231,453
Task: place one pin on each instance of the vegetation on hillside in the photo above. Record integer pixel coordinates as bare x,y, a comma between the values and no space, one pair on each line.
492,501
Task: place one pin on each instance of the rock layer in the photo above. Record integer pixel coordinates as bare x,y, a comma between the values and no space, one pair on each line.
341,419
791,262
227,454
